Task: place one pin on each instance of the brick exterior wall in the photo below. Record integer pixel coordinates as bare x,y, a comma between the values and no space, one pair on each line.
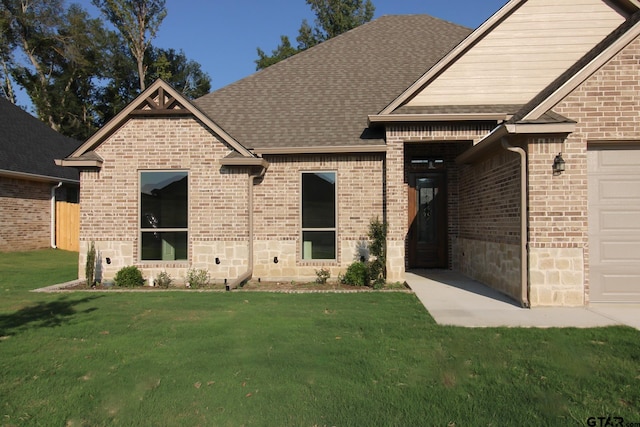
606,107
402,142
217,196
25,212
490,222
277,226
218,208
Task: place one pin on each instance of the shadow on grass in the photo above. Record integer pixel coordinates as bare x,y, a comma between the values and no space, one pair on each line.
43,315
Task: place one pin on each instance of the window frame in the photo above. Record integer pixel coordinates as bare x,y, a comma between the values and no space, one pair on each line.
333,229
142,230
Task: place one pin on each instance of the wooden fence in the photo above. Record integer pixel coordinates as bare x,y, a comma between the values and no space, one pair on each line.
68,226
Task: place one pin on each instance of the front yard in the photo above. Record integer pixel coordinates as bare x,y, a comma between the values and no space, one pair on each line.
262,359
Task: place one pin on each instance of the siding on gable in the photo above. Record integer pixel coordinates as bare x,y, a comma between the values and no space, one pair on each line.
525,53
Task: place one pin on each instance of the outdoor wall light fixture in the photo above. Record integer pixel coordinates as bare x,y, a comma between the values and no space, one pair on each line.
108,260
275,260
558,164
217,260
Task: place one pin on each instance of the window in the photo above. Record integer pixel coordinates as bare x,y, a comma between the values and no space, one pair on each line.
319,215
163,215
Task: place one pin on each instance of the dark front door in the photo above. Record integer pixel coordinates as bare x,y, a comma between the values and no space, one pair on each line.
427,220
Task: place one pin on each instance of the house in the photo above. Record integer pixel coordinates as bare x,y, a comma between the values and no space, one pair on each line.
509,153
30,181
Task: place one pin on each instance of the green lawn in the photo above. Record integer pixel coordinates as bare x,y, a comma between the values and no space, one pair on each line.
259,359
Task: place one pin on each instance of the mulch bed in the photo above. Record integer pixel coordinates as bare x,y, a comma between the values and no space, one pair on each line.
253,285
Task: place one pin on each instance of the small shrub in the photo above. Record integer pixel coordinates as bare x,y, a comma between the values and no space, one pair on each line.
198,278
379,283
357,275
163,280
323,275
129,277
378,245
90,266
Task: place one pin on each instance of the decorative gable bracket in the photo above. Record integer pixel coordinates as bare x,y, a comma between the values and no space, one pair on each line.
160,103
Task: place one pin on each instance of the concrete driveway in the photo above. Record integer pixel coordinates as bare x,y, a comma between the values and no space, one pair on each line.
454,299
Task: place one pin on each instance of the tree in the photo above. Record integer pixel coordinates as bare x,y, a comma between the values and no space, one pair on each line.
183,74
283,51
138,21
77,73
29,26
63,59
333,17
6,57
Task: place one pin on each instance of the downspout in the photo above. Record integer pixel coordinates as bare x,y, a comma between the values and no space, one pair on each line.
53,215
524,253
247,274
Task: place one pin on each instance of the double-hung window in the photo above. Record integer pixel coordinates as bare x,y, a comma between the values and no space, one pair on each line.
164,211
319,202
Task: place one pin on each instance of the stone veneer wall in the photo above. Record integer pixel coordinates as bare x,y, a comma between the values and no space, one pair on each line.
607,108
398,138
25,213
217,198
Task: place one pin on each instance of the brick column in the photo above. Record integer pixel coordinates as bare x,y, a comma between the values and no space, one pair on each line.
396,208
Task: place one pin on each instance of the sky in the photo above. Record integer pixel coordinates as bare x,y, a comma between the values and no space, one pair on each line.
222,35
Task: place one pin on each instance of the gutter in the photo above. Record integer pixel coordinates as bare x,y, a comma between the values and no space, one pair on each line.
249,273
53,214
524,253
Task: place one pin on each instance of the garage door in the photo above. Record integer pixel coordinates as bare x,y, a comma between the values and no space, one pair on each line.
614,224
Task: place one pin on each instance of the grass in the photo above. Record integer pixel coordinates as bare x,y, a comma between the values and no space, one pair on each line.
259,359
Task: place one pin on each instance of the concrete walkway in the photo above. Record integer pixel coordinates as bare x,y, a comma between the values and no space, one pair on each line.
453,299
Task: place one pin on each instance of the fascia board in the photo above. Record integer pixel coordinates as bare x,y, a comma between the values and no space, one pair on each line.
467,117
35,177
322,150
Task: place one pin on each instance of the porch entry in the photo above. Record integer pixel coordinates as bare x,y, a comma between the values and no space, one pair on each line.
427,238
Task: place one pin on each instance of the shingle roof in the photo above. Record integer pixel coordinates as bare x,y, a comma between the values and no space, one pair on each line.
29,146
322,96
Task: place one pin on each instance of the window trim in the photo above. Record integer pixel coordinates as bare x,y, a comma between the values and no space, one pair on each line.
141,230
334,228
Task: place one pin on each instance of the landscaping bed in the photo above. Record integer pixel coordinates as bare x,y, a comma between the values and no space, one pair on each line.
252,285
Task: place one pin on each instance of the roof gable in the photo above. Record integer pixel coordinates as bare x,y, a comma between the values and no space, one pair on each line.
517,53
28,147
159,99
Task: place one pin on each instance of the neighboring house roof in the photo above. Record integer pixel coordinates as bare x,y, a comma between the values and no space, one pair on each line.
320,99
28,147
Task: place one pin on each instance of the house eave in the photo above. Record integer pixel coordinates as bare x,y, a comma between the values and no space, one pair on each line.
411,118
79,163
322,149
537,128
492,141
35,177
245,161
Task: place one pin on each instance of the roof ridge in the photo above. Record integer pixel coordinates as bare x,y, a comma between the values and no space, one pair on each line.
325,45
